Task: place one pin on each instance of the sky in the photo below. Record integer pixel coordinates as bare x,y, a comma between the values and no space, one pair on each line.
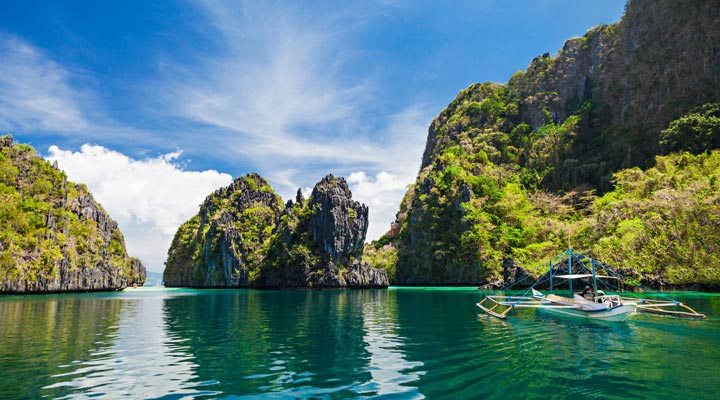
155,104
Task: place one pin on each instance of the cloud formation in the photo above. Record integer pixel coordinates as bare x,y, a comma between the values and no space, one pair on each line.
277,99
278,88
149,198
35,92
381,196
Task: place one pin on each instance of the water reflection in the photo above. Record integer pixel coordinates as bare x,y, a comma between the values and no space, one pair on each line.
391,372
37,334
140,361
288,343
405,343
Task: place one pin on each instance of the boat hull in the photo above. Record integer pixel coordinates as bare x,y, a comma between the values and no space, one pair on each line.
620,313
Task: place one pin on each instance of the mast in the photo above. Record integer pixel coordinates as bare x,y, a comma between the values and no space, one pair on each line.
551,276
592,263
569,251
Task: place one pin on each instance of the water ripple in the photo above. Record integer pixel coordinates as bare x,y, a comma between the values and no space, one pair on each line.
407,343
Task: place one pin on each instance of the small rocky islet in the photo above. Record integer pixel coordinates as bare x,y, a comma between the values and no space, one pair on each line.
244,236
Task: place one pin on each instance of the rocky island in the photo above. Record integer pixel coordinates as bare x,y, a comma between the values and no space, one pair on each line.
54,237
612,141
244,236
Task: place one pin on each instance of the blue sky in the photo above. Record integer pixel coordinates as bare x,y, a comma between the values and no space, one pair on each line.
155,104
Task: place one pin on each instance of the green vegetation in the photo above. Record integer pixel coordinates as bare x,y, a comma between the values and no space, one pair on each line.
663,222
232,230
485,197
381,254
570,146
42,223
696,132
292,246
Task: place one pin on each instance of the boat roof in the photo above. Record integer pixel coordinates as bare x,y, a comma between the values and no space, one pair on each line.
580,276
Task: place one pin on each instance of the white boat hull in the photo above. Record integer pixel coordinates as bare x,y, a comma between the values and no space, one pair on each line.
620,313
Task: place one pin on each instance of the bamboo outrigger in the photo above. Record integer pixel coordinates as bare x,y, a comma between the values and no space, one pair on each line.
592,304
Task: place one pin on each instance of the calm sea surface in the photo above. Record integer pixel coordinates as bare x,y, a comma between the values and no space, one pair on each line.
396,343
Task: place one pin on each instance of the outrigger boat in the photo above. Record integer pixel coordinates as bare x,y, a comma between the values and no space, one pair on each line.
591,304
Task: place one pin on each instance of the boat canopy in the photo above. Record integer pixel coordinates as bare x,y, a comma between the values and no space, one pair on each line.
580,276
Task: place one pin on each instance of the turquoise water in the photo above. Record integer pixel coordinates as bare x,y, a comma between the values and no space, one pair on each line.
396,343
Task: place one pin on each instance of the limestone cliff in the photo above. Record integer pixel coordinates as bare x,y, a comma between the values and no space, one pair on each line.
624,82
244,236
225,244
319,242
509,169
54,236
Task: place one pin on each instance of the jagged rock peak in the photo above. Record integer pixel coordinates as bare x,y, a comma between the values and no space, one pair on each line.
244,236
330,182
243,192
339,224
299,198
6,141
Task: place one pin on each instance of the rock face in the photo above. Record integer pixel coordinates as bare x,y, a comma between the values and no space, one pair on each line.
54,236
627,80
322,241
514,274
362,275
226,242
339,225
245,237
508,169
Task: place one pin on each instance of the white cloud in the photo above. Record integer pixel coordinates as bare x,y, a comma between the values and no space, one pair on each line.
381,195
149,198
400,158
280,89
280,96
34,91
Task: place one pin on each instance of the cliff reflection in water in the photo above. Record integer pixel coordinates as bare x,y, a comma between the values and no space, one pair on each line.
402,342
43,336
76,345
292,343
141,361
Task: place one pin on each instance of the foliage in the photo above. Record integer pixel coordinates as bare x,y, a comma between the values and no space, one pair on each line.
664,221
484,197
42,225
696,132
381,256
291,246
234,222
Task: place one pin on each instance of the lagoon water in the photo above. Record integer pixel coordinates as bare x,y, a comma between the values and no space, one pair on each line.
396,343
